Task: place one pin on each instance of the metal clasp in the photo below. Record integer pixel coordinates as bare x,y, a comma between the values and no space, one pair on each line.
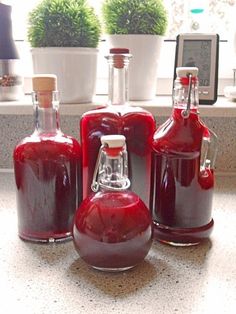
95,183
185,113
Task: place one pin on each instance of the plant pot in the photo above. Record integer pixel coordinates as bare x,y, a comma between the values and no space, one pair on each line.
144,64
75,68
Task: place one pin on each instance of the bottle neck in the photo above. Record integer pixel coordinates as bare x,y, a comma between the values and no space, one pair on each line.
111,171
47,119
185,94
118,79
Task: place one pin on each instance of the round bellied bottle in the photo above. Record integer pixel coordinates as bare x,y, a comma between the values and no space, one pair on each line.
183,176
112,227
47,171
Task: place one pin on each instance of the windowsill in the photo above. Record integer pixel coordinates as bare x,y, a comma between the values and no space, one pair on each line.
160,106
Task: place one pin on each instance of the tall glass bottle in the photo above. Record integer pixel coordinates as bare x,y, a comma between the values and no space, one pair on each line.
136,124
183,175
47,171
112,227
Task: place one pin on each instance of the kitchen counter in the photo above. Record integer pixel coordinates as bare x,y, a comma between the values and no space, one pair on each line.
41,279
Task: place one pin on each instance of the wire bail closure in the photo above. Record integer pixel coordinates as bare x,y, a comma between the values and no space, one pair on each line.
95,183
185,113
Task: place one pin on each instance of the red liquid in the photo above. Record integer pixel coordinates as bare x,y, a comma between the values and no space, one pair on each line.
182,194
137,126
47,173
112,230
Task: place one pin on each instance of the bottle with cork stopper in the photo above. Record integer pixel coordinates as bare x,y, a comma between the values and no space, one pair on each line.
112,227
47,167
117,116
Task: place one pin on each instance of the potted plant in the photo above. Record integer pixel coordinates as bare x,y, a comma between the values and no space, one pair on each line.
64,35
138,25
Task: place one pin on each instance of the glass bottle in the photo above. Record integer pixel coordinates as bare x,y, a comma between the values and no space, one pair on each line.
117,117
112,227
47,171
11,81
183,176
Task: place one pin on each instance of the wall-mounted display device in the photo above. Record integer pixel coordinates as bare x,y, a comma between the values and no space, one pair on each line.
202,51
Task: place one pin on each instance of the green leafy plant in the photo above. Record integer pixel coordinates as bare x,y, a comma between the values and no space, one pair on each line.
63,23
134,17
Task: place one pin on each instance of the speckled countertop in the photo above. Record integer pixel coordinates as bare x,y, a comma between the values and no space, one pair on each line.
41,279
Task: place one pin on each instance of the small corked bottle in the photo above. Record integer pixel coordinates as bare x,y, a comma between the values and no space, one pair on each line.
47,171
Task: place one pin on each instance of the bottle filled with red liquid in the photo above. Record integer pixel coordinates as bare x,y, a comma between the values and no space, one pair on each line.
118,117
183,176
112,227
47,171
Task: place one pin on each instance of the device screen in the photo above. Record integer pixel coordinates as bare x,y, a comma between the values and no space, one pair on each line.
198,53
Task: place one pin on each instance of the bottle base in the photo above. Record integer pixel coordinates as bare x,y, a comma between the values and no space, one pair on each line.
112,270
181,244
54,238
182,236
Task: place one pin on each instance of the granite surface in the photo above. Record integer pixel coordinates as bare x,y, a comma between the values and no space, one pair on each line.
16,127
41,279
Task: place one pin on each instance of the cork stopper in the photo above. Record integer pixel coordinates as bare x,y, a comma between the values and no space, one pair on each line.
118,56
119,50
44,85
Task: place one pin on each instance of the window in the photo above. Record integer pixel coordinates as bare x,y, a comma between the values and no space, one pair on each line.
217,16
213,15
210,16
184,16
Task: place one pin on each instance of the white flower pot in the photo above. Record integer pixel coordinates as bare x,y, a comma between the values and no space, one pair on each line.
75,68
144,64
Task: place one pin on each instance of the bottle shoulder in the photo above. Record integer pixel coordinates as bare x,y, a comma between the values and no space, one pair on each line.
55,137
114,200
178,134
53,145
119,111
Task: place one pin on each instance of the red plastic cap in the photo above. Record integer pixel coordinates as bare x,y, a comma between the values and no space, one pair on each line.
185,80
119,50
